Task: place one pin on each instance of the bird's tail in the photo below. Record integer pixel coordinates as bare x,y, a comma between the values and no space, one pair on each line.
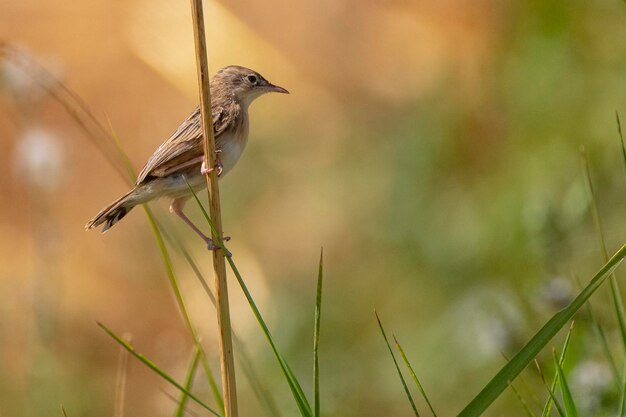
115,211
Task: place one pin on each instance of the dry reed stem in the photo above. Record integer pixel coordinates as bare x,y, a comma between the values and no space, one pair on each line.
219,264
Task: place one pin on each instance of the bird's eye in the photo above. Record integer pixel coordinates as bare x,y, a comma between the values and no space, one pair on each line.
252,79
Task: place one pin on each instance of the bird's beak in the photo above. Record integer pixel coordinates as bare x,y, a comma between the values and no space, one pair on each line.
276,89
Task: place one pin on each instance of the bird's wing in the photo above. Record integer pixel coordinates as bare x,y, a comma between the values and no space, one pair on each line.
184,145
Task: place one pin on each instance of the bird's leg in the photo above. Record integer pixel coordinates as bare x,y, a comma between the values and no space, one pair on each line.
177,208
185,164
218,164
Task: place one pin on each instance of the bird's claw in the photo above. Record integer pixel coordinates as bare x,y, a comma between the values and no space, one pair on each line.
218,165
213,247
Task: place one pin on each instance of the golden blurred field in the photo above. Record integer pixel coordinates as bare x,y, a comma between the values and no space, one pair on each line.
431,148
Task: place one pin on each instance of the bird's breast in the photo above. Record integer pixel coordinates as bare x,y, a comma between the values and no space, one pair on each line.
233,145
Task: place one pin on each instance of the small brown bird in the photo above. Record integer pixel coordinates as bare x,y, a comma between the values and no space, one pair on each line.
179,160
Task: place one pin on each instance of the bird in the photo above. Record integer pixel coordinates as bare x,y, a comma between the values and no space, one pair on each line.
178,163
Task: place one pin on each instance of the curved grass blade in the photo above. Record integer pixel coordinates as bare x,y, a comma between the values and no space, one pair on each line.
182,306
527,409
500,381
524,384
294,385
122,155
570,407
529,412
406,389
263,395
173,399
155,368
621,138
167,260
292,381
70,101
414,376
551,392
555,381
622,397
109,145
191,373
604,343
316,337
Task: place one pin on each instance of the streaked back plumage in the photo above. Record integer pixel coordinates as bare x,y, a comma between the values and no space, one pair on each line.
178,159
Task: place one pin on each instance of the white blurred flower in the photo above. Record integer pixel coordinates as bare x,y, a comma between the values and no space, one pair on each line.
556,293
39,158
486,322
590,381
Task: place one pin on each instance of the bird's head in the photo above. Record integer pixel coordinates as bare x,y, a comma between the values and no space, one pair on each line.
242,83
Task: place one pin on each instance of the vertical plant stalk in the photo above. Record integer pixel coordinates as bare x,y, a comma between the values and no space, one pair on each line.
219,264
316,337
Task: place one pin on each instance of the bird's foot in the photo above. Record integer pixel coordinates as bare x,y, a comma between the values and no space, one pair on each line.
212,246
218,165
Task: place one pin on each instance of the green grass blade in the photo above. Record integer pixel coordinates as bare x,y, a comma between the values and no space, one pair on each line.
622,397
527,409
169,268
167,260
292,381
294,385
109,145
143,359
126,164
604,343
618,303
414,376
607,352
215,390
548,406
316,337
182,306
500,382
207,217
395,362
529,391
623,148
179,247
570,407
551,391
191,373
622,402
557,404
263,395
621,140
